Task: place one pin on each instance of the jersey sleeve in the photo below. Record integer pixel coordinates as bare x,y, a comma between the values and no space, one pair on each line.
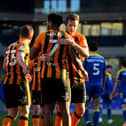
4,62
83,41
24,48
39,40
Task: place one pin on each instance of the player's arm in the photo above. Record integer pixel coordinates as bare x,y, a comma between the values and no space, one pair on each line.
4,63
115,88
31,65
34,53
82,68
83,49
104,81
78,63
37,46
20,59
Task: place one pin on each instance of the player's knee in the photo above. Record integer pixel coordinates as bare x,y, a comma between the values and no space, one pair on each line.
36,110
65,113
80,110
12,113
24,111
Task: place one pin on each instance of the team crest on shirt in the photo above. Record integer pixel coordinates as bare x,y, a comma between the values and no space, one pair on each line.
21,48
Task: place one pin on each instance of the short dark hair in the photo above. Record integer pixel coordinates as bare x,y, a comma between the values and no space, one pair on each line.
93,46
72,17
123,63
109,66
55,18
25,31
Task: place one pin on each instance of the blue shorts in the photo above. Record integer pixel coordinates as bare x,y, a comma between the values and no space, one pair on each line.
94,91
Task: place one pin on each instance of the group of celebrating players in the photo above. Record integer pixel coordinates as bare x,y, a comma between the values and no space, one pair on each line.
65,69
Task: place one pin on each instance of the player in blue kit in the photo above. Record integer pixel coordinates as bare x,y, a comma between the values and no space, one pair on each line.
121,81
95,66
106,95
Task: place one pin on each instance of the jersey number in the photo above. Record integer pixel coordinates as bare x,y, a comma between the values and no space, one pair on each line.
53,50
55,42
12,60
96,70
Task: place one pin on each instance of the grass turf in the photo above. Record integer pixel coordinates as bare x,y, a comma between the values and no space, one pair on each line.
118,120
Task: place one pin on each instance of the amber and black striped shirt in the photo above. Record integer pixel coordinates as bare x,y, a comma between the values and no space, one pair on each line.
35,68
48,42
14,72
75,74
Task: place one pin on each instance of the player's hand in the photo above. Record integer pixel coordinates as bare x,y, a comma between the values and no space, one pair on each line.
113,95
25,70
66,41
28,77
45,57
85,75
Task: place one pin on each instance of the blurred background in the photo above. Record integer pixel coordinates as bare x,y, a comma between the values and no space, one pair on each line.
102,21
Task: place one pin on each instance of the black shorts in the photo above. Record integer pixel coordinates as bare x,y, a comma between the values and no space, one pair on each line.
55,90
36,97
17,95
78,93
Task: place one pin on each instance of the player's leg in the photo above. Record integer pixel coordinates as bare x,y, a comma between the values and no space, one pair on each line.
35,115
12,114
78,96
48,100
96,101
24,115
65,112
124,109
96,111
124,113
109,111
48,114
77,114
87,116
88,98
100,113
11,104
63,97
24,102
36,107
42,115
58,117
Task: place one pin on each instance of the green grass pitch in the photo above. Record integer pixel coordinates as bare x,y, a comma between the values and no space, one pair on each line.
118,120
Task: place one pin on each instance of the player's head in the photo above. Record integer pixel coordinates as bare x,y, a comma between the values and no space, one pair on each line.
93,46
123,63
26,32
109,68
54,20
72,23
